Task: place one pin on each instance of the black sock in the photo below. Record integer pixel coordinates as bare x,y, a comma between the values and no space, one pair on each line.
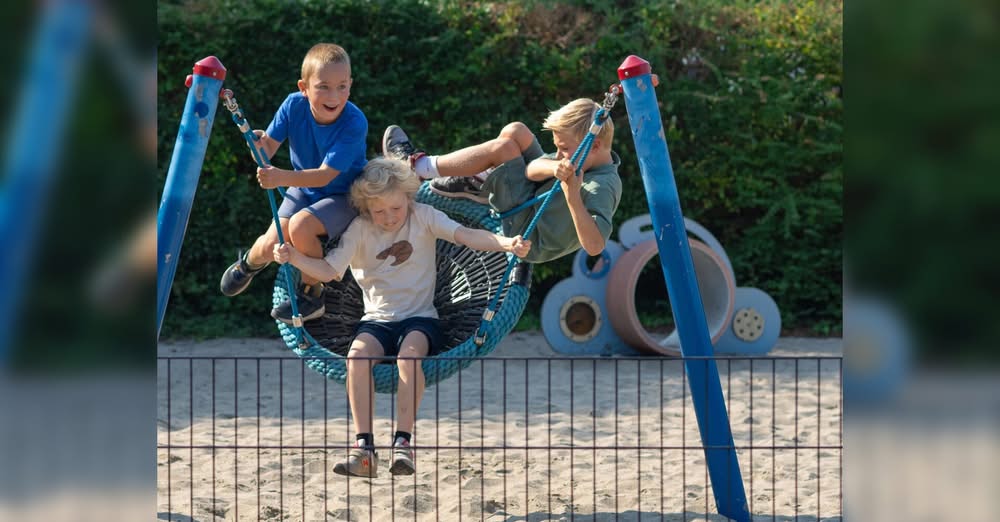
401,434
248,266
367,441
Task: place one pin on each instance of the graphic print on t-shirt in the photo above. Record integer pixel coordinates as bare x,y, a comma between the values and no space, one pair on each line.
401,250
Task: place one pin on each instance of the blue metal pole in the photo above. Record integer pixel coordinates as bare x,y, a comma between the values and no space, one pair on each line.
682,287
182,176
35,143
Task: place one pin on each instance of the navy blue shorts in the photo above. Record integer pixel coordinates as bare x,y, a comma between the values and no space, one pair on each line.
391,333
334,211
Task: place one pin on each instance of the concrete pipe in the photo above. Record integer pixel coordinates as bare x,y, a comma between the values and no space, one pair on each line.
715,283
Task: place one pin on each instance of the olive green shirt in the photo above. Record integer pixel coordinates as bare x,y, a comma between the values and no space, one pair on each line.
554,235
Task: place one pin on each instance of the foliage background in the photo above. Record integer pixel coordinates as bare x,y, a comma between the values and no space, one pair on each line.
751,97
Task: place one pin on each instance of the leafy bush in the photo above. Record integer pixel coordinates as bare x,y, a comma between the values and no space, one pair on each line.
749,95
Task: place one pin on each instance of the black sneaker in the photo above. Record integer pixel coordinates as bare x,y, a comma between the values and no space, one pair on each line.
237,277
309,307
470,188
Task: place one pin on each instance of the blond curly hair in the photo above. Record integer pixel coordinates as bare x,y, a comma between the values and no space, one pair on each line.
381,177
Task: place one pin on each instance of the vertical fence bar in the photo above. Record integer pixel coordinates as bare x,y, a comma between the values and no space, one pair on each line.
214,496
616,436
191,433
593,430
819,441
796,441
682,285
482,440
170,451
750,451
549,433
236,438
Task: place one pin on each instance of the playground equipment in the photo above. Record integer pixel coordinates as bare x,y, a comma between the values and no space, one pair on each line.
476,273
682,286
182,176
753,323
667,224
602,318
575,313
467,279
466,282
594,311
714,281
37,132
877,348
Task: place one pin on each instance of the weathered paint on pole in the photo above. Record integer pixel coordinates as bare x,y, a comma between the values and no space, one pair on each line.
182,176
682,287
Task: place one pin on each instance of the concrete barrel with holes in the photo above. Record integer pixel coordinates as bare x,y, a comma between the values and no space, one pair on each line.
715,283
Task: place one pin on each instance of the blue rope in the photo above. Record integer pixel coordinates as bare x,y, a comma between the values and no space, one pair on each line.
259,156
580,154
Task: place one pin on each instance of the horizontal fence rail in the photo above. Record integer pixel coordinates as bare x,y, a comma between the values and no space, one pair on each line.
512,439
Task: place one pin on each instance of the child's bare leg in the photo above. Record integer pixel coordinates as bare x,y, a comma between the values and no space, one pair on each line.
304,230
411,379
262,251
360,388
513,139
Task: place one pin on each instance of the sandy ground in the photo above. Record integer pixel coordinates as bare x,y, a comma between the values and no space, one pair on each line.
246,432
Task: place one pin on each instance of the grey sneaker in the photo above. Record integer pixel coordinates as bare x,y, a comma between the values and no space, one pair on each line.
402,459
396,144
360,463
470,188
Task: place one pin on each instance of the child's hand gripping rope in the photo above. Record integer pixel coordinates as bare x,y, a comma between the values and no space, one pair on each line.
257,141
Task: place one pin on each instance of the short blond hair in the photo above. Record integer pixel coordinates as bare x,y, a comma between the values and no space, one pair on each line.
574,119
321,55
381,177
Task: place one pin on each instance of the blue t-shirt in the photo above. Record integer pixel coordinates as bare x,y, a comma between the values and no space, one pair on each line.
340,145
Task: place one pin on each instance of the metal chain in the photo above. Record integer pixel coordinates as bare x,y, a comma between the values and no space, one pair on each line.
610,99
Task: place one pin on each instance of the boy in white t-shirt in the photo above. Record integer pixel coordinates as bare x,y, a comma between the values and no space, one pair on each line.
390,250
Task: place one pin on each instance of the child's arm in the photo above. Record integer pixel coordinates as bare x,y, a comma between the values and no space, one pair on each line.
586,229
270,144
311,266
479,239
541,169
272,177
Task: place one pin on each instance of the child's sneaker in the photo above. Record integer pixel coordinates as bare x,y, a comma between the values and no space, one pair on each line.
237,277
396,144
402,458
360,462
309,307
468,187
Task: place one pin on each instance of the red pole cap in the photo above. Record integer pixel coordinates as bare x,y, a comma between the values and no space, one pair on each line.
211,67
633,66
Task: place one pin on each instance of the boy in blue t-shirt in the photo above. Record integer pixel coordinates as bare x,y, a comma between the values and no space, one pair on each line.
326,135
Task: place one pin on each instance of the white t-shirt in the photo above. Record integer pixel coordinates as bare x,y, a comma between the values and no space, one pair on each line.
396,271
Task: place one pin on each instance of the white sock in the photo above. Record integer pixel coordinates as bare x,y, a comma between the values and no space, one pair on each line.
426,167
482,175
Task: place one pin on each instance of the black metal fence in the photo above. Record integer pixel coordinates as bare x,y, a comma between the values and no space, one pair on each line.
512,439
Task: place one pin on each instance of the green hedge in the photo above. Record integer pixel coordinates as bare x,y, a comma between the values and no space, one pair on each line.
750,96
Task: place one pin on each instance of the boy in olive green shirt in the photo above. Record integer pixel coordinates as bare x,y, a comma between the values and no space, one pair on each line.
512,168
